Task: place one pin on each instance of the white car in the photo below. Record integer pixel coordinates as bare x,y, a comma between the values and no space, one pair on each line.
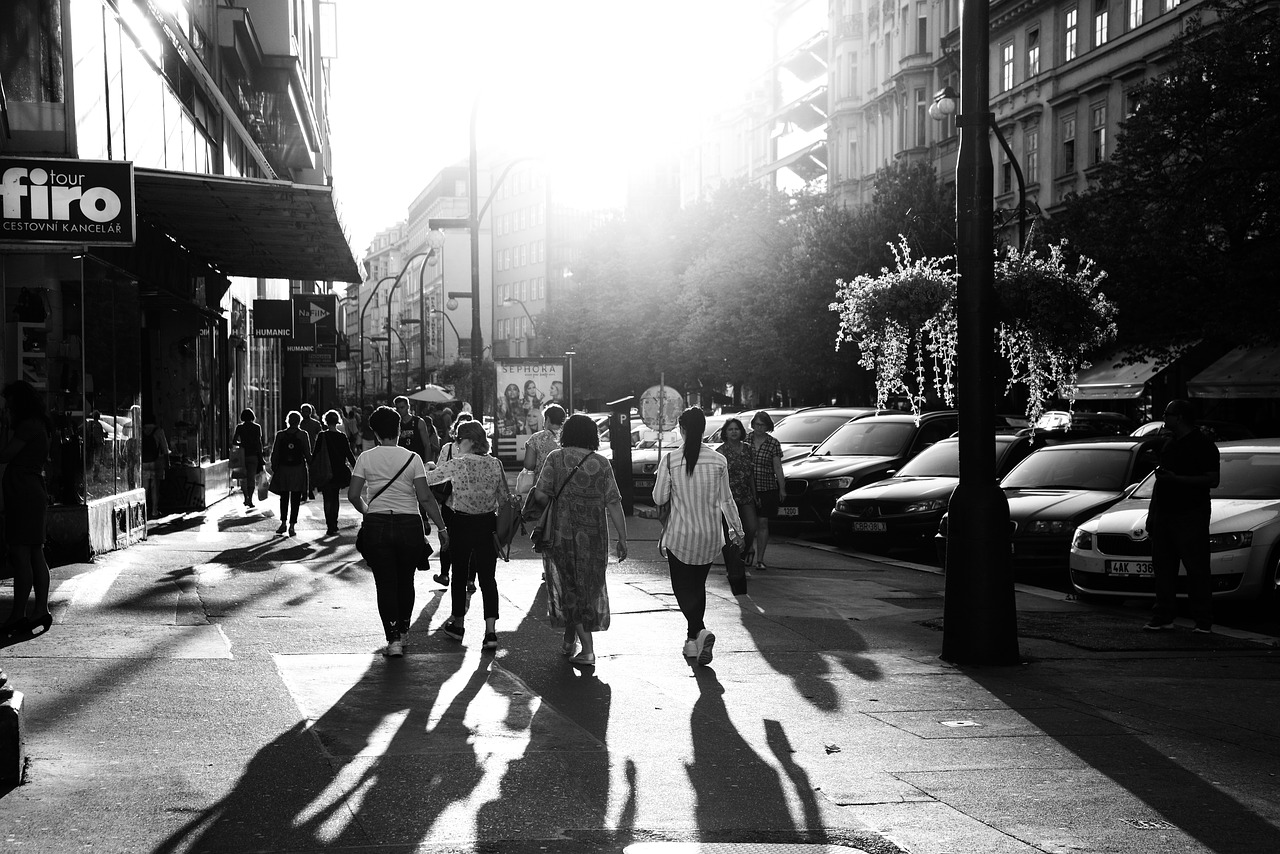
1111,553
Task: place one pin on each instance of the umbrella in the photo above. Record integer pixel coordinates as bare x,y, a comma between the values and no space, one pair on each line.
432,394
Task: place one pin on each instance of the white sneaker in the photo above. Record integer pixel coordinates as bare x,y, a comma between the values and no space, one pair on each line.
404,638
690,649
706,640
394,649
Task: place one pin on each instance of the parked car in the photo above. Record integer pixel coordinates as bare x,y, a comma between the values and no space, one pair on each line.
861,451
803,430
904,510
1111,552
1058,487
1082,423
1218,431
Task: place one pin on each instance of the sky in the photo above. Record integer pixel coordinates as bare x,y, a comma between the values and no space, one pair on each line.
589,86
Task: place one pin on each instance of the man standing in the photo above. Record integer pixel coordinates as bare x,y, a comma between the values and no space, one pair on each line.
1178,519
415,433
312,427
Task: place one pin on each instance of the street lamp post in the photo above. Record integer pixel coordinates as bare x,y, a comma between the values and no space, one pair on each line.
568,378
448,320
404,351
533,324
979,615
364,308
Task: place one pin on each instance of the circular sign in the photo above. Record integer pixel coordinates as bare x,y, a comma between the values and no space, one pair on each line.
660,407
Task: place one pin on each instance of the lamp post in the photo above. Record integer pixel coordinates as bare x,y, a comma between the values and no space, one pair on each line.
533,324
404,350
364,308
979,616
568,378
448,320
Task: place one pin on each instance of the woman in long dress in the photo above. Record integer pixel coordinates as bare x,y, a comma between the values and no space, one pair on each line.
587,498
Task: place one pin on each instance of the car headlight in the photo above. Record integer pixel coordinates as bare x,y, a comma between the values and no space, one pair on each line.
841,483
1227,542
926,506
1083,540
1042,527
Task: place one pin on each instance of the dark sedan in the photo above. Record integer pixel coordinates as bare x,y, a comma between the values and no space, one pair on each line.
904,510
861,452
1058,487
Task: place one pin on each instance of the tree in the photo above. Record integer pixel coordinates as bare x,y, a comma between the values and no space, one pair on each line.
1185,215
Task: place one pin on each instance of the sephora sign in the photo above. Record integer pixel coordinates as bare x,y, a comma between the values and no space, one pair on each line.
51,200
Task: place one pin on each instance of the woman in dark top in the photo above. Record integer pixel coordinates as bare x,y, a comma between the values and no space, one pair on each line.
289,478
248,436
333,441
25,502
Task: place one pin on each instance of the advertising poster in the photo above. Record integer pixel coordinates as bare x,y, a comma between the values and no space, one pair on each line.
523,389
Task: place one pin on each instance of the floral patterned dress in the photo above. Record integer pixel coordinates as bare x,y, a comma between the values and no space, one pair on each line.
576,591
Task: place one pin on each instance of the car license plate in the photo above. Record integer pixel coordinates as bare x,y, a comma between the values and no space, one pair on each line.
1128,567
643,483
788,511
870,527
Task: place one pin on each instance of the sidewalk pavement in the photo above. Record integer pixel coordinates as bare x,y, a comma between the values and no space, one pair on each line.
217,688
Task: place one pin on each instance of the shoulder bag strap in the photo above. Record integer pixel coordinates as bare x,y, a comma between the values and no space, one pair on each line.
570,477
388,483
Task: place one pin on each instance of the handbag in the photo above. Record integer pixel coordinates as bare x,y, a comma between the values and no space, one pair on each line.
442,491
321,465
734,565
361,542
236,458
524,482
544,530
664,509
264,484
509,522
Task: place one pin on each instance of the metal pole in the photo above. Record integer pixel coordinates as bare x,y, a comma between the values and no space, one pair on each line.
477,346
364,308
422,325
979,615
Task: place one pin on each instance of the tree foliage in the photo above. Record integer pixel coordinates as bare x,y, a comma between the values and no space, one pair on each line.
1185,215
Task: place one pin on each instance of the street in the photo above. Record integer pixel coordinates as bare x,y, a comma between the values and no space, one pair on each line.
219,688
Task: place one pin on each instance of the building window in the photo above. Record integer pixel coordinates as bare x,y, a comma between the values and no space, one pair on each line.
1100,19
1031,154
922,118
872,64
853,74
1006,66
1033,53
853,158
1170,5
1069,46
1068,145
1006,172
922,30
1132,103
1097,133
888,55
1135,14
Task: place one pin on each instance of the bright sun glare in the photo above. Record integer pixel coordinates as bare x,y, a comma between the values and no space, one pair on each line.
592,87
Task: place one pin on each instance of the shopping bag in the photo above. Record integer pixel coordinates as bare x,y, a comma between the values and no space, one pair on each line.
524,482
236,458
508,523
264,485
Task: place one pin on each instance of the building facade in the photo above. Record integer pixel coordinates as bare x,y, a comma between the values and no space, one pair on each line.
217,115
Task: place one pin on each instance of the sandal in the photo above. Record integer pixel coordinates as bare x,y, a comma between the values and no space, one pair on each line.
584,659
25,630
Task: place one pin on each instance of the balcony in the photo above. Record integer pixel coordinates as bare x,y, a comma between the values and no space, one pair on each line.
809,60
808,112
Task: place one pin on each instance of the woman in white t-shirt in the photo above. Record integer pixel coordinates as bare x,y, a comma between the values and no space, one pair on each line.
398,496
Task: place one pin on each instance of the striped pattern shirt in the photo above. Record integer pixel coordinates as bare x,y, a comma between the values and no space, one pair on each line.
698,502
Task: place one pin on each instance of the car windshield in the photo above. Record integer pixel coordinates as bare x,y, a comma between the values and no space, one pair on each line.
940,460
1071,468
868,437
1243,475
801,429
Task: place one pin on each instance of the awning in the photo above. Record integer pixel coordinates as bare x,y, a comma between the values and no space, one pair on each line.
1112,379
249,227
1249,372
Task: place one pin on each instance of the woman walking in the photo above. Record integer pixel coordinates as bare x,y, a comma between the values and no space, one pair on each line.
396,480
444,494
248,436
333,441
697,487
741,481
545,440
586,494
289,479
766,467
25,502
479,484
155,463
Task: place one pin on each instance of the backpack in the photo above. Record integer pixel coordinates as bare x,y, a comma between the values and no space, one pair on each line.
292,453
150,447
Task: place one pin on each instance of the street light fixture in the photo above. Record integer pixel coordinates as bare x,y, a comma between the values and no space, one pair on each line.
533,324
363,308
449,320
979,614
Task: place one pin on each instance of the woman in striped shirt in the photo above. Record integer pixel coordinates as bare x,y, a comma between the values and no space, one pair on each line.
697,486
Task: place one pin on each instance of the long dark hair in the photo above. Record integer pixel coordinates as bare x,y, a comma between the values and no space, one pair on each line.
694,422
25,402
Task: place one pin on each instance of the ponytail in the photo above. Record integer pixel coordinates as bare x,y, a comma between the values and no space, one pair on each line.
694,423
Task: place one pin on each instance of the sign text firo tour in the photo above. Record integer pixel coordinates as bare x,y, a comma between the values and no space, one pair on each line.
50,195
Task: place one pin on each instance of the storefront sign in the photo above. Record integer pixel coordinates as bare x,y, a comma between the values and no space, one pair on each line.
272,318
322,364
53,200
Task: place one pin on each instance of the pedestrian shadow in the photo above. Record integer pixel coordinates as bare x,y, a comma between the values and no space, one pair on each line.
1139,763
809,667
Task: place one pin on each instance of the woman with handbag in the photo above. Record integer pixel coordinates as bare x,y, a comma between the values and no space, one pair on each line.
248,437
697,488
289,477
742,482
331,462
579,483
443,491
479,485
391,533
